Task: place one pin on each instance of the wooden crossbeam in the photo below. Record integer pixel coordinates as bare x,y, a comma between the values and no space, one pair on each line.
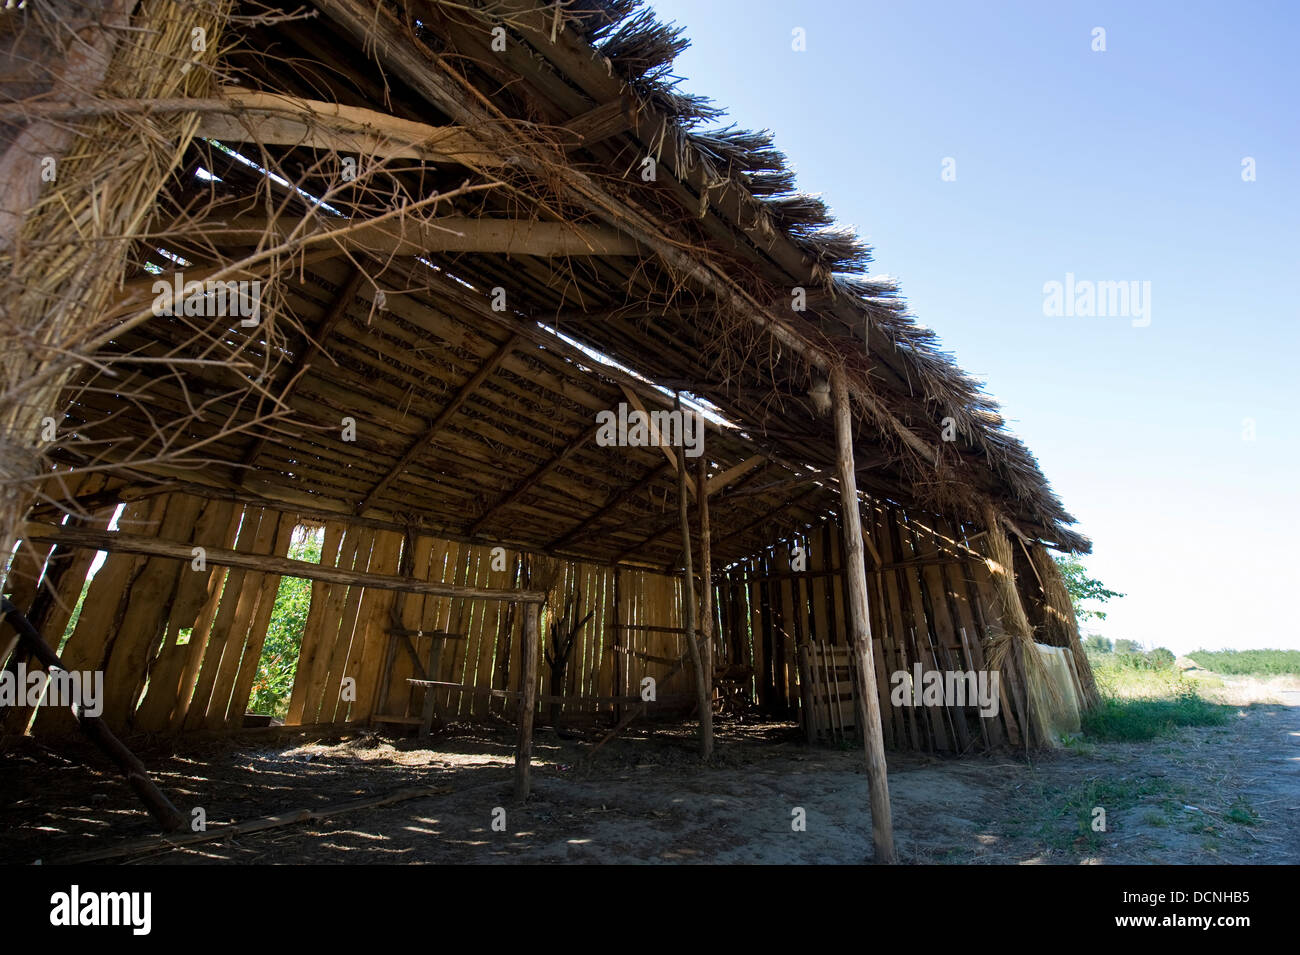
672,455
117,542
313,351
412,235
529,482
458,400
724,478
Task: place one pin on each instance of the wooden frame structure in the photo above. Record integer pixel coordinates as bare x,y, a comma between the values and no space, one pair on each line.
542,232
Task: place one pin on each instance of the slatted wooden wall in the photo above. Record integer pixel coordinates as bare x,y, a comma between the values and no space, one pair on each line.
179,647
931,601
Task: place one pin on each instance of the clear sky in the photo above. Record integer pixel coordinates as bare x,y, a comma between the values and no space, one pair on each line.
1122,165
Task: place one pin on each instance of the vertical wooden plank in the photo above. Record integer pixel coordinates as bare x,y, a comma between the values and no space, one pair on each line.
270,589
322,702
314,633
167,688
365,659
101,612
231,630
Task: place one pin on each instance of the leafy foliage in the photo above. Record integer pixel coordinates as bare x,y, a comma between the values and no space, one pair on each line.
1082,587
1242,662
279,661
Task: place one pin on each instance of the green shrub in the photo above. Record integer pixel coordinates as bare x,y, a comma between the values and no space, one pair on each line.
1160,658
1248,662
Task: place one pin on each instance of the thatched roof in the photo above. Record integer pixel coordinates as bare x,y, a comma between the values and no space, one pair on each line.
476,422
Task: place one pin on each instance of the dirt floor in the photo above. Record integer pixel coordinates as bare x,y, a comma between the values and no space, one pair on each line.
1206,795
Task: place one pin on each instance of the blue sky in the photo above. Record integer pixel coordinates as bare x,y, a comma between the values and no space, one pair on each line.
1122,165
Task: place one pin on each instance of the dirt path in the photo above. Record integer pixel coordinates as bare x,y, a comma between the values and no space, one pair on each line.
1227,794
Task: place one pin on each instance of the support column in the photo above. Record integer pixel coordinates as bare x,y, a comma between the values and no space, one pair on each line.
702,680
706,608
855,573
527,699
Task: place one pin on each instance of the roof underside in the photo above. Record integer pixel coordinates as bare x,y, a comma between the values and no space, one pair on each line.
478,423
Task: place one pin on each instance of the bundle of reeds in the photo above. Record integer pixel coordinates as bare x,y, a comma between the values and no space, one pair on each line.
63,255
1013,641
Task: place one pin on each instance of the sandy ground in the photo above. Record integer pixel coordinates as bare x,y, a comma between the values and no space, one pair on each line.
1206,795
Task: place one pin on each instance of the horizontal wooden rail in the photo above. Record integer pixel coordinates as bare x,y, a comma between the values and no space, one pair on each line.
117,542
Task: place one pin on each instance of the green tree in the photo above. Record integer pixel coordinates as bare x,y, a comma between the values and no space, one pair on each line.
1161,658
1127,646
1084,588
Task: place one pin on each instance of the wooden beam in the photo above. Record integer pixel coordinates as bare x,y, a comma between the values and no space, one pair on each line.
313,351
613,504
528,701
672,455
463,393
724,478
855,574
413,235
706,607
137,776
117,542
702,678
274,119
530,481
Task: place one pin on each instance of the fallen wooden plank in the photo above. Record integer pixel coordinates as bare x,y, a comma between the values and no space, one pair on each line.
137,776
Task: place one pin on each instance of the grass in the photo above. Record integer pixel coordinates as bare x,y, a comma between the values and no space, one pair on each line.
1062,817
1249,662
1139,704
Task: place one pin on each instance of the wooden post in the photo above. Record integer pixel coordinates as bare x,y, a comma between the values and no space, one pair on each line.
688,604
527,699
159,806
706,607
855,573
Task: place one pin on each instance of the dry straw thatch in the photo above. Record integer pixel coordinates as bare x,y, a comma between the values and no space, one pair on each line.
1014,641
59,271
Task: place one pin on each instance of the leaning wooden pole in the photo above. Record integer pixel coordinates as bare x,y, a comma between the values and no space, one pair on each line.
706,604
527,699
137,776
855,573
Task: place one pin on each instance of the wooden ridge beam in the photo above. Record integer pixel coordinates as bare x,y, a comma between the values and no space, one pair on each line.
485,370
